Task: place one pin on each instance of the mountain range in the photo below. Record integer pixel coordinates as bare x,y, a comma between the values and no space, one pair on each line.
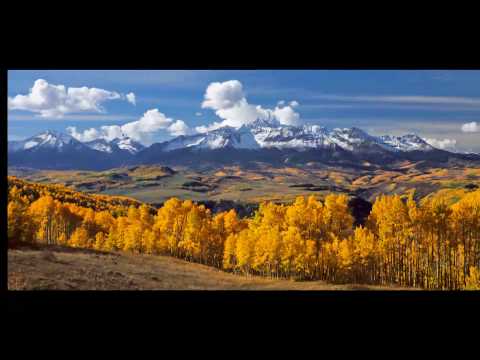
260,141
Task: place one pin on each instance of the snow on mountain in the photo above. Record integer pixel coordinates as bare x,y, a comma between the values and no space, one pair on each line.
128,144
118,144
256,135
409,142
100,145
46,140
351,138
291,137
217,139
267,134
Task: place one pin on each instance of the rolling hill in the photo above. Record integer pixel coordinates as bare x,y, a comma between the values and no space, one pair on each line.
62,268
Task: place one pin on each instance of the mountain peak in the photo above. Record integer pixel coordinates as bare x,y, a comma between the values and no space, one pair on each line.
262,134
52,149
263,123
49,139
123,143
408,142
128,144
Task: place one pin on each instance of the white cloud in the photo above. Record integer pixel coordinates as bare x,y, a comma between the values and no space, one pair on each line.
198,113
287,116
152,121
206,128
230,104
54,101
178,128
294,103
471,127
413,99
445,144
223,95
140,130
87,135
110,132
131,98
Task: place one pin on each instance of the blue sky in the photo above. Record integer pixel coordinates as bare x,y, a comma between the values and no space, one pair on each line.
433,104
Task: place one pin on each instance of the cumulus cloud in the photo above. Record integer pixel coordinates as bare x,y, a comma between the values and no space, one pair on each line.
54,101
444,144
198,113
287,116
228,101
87,135
206,128
178,128
140,130
223,95
131,98
471,127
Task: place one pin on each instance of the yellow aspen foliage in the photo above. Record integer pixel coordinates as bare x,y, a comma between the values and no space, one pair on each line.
99,241
132,238
148,242
79,238
145,217
111,239
345,253
293,251
472,281
104,220
338,218
229,258
62,239
133,214
19,227
431,244
365,246
244,251
42,212
121,228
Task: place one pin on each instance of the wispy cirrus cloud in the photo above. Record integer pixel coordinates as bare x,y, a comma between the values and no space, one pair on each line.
75,117
402,99
313,100
390,106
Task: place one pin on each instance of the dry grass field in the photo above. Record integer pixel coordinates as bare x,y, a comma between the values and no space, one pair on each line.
58,268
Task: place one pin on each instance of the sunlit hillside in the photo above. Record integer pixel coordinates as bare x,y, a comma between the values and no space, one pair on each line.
432,244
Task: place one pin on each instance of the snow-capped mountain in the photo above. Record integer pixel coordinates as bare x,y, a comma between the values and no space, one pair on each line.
409,142
128,144
116,145
49,139
100,145
55,150
261,141
225,137
264,135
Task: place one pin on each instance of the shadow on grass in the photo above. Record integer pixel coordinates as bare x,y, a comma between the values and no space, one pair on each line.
61,249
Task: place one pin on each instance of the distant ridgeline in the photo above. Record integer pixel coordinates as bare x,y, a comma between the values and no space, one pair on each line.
432,245
259,142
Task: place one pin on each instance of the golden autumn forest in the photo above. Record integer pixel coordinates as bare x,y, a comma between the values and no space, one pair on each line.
429,245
